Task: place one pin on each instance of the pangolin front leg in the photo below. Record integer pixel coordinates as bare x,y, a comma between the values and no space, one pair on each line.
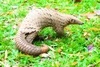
59,30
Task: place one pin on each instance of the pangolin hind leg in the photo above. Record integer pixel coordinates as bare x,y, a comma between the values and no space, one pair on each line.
31,36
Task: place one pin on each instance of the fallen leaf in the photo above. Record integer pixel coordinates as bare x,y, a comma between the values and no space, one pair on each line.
90,47
14,27
44,55
18,24
5,63
57,64
14,7
77,0
97,12
80,54
81,57
8,13
6,54
68,32
77,54
74,63
98,40
48,37
95,64
94,29
86,34
96,25
89,15
60,50
51,48
76,4
63,11
56,39
56,8
67,29
47,7
24,2
16,64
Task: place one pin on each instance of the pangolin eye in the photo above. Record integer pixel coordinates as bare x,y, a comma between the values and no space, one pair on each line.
72,20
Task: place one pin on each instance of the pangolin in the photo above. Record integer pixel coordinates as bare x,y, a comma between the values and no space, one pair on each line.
35,21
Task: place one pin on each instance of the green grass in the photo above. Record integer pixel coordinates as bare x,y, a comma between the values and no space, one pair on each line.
75,43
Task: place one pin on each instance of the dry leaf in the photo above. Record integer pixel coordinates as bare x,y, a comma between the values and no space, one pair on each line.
80,54
89,15
60,50
6,54
49,37
97,12
81,57
90,47
56,64
24,2
74,63
68,32
63,11
19,24
51,48
8,13
98,40
94,29
77,54
94,65
86,34
56,8
77,0
47,7
67,29
44,55
56,39
76,4
16,64
14,27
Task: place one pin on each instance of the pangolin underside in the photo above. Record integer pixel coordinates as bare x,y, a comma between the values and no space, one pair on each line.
35,21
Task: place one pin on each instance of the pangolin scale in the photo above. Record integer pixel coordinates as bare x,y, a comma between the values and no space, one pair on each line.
35,21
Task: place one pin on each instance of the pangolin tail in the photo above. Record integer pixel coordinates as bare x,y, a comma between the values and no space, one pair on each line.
28,48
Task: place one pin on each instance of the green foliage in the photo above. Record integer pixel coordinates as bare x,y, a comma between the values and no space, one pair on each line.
74,52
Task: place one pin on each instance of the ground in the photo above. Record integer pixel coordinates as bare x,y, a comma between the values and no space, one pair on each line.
80,47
